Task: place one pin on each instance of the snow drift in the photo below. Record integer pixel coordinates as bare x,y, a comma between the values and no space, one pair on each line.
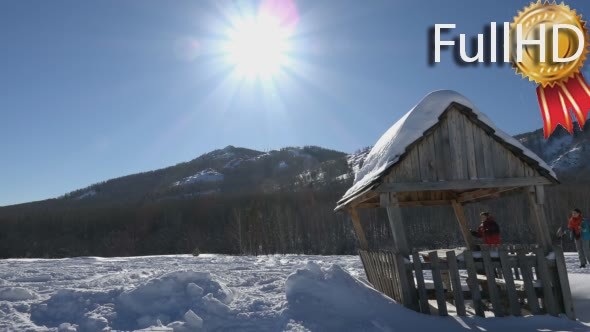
331,299
244,293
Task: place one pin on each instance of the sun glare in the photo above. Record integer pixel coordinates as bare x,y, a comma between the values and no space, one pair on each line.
258,47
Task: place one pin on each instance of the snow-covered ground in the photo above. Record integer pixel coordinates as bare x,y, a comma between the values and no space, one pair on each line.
228,293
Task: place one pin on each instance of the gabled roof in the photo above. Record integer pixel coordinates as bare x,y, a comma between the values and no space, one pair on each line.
410,128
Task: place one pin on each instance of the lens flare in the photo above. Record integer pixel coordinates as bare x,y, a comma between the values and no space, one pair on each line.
259,46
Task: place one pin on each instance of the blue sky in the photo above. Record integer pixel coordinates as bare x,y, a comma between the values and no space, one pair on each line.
96,90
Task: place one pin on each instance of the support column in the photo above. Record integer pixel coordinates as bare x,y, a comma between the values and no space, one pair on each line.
462,220
394,213
358,228
536,199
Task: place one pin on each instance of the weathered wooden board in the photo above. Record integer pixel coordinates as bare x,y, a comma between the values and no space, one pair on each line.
438,284
422,296
456,283
468,128
566,292
527,278
457,141
441,150
463,225
544,276
491,283
509,280
472,283
358,228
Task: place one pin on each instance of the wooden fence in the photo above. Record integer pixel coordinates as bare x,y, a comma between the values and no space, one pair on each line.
503,281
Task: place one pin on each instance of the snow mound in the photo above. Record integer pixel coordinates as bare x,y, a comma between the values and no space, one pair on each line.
174,298
207,175
269,296
169,297
411,127
330,299
89,309
17,294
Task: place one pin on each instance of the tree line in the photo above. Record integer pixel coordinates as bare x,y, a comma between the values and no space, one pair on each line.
299,222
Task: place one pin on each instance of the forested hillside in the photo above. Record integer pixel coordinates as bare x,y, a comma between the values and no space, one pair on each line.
242,201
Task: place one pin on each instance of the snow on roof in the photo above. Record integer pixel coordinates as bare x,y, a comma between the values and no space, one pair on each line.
411,127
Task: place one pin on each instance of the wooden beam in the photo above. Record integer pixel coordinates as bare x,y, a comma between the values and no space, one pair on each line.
424,203
463,184
538,218
482,193
463,225
394,214
368,205
358,228
355,200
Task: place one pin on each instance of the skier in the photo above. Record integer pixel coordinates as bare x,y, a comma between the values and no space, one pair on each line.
580,230
488,230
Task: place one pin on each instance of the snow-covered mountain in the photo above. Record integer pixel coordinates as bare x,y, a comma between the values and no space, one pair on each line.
240,170
230,200
567,154
228,170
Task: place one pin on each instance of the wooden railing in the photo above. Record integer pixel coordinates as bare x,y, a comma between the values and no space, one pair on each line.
509,280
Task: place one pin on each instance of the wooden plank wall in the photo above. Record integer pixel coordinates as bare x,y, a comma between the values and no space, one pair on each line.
511,280
458,149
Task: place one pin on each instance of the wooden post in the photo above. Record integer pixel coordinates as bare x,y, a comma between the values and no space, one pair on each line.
566,292
527,278
394,213
358,228
535,196
423,296
510,286
439,288
408,290
543,274
472,283
456,283
458,208
492,286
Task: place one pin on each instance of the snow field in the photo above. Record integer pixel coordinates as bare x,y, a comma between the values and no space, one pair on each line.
228,293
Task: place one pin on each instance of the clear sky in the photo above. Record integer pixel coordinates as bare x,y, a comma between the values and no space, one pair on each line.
92,90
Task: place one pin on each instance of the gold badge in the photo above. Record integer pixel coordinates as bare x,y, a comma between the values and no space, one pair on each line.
549,72
548,45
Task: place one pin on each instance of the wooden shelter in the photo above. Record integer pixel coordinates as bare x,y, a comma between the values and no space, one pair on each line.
445,152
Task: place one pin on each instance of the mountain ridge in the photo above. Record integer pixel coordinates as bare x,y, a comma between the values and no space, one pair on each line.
242,201
563,151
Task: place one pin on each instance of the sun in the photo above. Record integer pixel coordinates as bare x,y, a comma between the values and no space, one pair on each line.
258,47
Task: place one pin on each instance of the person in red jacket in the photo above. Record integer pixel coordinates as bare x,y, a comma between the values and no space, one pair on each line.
574,224
488,230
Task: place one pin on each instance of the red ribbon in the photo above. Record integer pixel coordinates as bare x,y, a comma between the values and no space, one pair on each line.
557,101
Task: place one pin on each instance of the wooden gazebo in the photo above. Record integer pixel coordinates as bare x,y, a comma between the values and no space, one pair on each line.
445,152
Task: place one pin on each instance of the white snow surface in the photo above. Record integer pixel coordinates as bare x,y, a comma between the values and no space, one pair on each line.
229,293
411,127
